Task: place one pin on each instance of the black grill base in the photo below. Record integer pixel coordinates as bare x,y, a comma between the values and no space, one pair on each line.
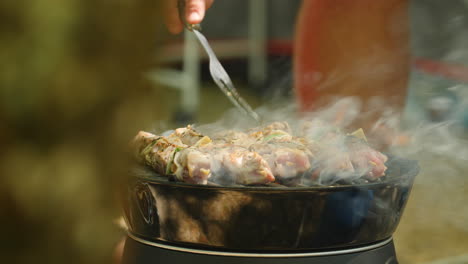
139,253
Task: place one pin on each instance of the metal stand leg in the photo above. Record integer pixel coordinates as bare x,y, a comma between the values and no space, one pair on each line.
191,68
257,42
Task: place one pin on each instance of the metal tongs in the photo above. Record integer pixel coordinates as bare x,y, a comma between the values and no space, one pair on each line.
218,73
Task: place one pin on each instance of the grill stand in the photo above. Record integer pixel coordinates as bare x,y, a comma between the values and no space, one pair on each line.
139,251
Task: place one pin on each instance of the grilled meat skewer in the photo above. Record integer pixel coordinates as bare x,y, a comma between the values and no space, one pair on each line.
261,155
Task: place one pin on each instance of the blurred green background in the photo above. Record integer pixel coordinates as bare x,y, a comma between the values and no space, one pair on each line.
71,97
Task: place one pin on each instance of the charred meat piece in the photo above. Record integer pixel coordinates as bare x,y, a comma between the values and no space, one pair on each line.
141,141
367,161
238,165
285,162
262,155
332,163
155,151
188,135
274,130
246,167
192,166
235,138
168,155
283,126
273,136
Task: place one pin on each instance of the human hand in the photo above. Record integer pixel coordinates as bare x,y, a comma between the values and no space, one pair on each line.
194,13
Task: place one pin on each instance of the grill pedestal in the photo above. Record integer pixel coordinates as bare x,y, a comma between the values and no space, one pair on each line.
143,252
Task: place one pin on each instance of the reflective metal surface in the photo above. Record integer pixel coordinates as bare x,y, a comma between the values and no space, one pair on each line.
266,219
262,255
136,252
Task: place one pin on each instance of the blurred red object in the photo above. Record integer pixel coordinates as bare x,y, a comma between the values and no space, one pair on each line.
351,48
456,72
